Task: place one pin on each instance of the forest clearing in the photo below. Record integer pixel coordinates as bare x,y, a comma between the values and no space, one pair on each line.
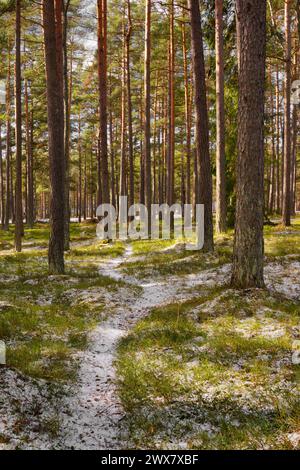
119,330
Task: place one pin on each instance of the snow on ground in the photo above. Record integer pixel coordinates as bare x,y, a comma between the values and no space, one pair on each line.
284,277
90,412
28,407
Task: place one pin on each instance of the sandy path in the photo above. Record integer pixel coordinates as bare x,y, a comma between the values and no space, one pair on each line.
92,415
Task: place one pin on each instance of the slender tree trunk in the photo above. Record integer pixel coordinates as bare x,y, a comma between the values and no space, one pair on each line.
102,75
187,112
8,144
99,172
142,155
202,131
271,199
171,143
79,170
278,179
67,100
2,181
147,112
123,169
154,147
112,151
220,151
129,107
294,161
54,72
85,187
18,107
165,148
248,243
286,212
30,190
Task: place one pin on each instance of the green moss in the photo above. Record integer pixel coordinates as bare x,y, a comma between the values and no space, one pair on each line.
40,324
204,372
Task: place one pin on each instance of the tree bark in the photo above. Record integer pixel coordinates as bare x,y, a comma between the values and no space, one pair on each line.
286,212
123,169
55,106
2,181
79,170
112,151
67,103
30,190
248,243
8,145
202,130
102,75
187,112
129,106
147,112
220,151
278,177
171,143
18,110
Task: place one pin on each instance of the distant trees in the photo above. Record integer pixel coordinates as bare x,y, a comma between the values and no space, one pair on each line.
52,11
249,244
130,127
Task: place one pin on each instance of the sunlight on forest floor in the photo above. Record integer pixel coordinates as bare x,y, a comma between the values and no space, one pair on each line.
214,371
38,322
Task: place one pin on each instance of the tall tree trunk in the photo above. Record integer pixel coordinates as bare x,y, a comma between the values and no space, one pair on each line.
142,155
18,195
248,243
171,143
55,105
123,169
85,189
278,179
99,172
154,147
271,195
102,75
294,161
67,100
147,112
220,151
30,190
79,170
8,143
187,112
129,106
2,190
202,131
286,212
112,151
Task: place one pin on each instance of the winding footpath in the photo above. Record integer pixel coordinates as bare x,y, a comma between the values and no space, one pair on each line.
93,414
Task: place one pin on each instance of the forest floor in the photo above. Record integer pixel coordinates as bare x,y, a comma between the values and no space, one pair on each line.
145,345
